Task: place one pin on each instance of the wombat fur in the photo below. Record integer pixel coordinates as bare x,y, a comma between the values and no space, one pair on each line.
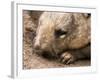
64,35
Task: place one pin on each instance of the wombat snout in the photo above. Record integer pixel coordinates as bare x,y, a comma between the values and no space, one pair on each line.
38,49
37,46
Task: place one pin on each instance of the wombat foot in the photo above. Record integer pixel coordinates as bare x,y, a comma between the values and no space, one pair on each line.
67,58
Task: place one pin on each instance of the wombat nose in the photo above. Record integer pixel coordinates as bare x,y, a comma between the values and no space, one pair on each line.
37,46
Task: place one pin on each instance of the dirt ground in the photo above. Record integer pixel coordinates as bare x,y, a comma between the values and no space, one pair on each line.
33,61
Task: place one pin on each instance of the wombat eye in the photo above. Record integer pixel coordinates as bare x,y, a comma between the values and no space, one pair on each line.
60,33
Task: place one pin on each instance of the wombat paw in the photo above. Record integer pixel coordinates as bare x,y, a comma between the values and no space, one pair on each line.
67,58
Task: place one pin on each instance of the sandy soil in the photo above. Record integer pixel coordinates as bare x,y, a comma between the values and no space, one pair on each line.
33,61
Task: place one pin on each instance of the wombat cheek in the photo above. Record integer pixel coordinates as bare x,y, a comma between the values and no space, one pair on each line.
45,47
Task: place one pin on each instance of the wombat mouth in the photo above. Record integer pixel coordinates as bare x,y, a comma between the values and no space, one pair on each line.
45,54
48,55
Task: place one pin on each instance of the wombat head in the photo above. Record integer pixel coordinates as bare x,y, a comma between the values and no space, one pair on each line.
58,32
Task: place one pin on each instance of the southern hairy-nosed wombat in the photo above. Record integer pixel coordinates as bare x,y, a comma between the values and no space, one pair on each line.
64,35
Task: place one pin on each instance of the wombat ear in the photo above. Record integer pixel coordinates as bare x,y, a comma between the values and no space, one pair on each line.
86,15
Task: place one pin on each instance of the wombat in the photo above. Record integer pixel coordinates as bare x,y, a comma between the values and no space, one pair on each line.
64,35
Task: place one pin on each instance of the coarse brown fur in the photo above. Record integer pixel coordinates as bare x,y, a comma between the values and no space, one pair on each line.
64,35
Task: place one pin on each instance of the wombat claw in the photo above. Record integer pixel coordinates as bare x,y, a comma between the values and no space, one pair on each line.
67,58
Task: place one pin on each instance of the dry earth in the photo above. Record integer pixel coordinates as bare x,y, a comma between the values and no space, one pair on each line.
30,59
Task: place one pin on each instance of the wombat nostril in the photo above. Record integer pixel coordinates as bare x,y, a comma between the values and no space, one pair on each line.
37,46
